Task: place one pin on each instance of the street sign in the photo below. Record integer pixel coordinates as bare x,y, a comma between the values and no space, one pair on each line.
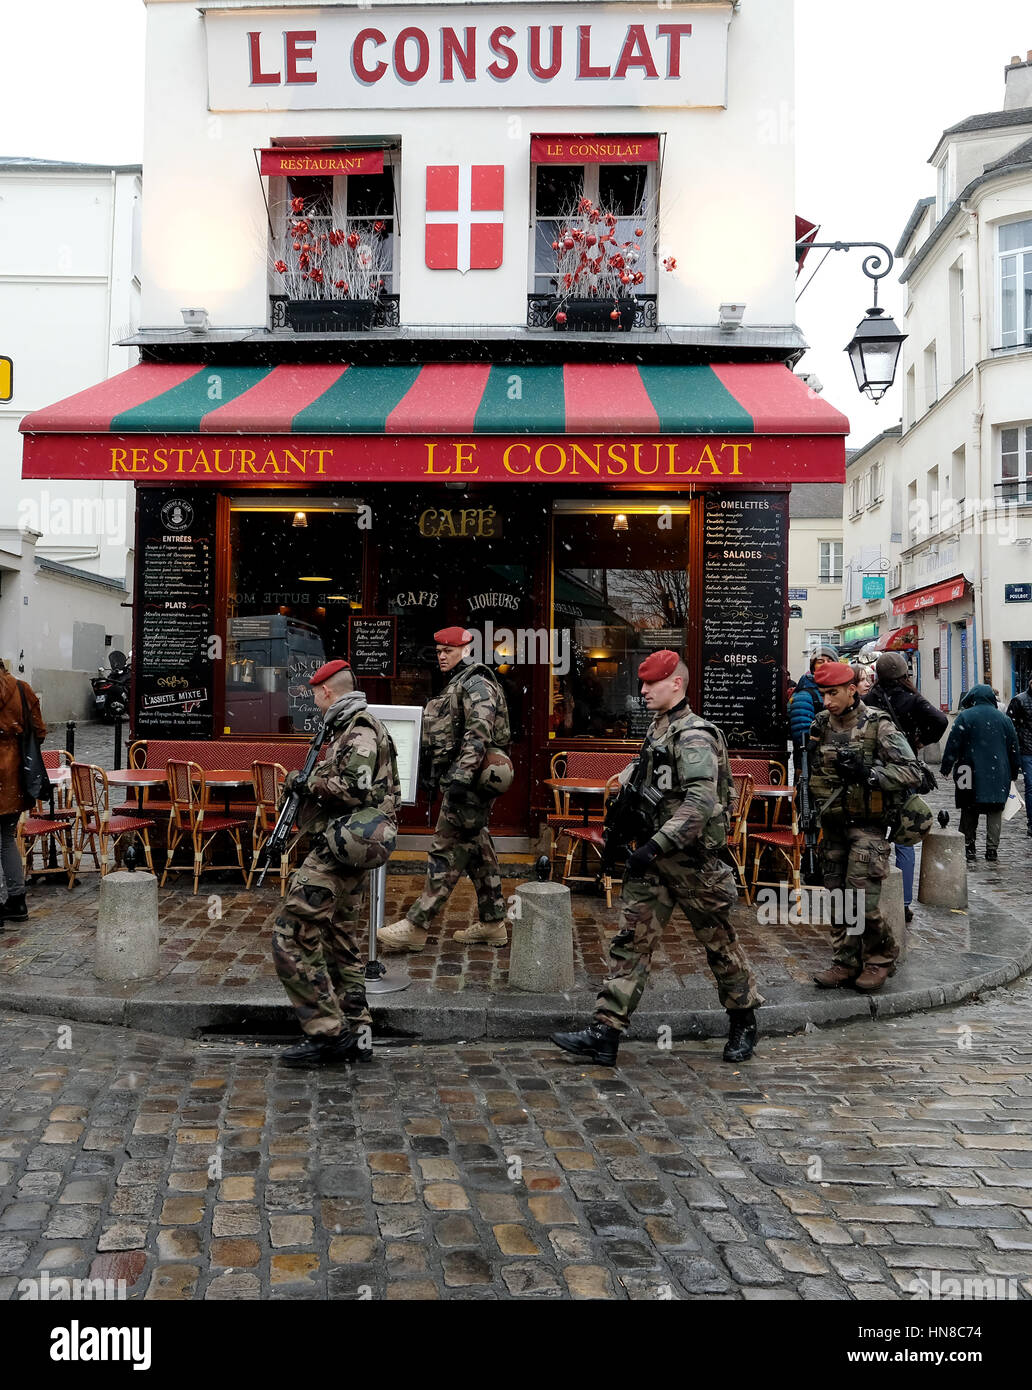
1017,593
6,378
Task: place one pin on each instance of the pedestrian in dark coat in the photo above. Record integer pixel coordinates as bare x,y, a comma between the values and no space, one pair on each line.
16,699
982,754
921,724
1019,712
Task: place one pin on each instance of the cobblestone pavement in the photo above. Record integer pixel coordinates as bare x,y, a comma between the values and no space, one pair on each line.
218,939
868,1162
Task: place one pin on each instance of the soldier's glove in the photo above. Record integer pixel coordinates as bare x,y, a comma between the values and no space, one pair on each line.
300,786
850,764
878,779
639,859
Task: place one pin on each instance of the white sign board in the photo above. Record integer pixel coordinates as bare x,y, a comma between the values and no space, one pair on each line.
404,723
383,58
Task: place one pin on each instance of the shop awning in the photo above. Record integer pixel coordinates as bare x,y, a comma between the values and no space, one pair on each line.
945,592
753,421
901,639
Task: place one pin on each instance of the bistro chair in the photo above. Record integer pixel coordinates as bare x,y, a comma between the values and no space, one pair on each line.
737,844
192,819
44,832
581,764
590,835
786,844
268,783
54,758
92,797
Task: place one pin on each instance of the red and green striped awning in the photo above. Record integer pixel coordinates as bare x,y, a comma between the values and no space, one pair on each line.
234,420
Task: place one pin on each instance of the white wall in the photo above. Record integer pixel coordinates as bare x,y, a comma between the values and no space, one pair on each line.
727,204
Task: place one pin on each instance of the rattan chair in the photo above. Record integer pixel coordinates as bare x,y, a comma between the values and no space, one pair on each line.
92,797
192,819
786,843
737,843
268,782
590,835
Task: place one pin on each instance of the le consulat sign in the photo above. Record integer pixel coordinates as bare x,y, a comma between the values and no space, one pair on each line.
492,55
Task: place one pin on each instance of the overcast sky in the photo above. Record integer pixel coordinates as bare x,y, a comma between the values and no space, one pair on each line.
877,82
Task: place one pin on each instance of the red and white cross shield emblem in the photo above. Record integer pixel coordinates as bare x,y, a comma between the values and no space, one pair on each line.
464,216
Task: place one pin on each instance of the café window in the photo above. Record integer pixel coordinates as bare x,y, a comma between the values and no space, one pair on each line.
295,579
619,592
335,234
626,191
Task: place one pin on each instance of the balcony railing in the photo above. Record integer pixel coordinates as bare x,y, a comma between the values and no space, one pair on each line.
1013,492
322,316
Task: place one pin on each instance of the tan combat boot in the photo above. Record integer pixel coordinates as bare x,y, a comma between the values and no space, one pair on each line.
835,977
401,936
486,933
872,977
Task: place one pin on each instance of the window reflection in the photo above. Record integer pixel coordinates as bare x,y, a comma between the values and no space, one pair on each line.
621,594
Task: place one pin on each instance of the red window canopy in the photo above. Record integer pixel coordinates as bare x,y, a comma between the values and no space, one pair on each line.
928,598
593,149
901,639
296,162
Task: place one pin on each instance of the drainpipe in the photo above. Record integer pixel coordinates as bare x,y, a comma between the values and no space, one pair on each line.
980,352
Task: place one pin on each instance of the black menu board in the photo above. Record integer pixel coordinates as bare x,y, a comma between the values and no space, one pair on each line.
175,618
745,561
373,646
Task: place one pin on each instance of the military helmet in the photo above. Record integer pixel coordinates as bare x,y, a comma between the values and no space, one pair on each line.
495,775
363,839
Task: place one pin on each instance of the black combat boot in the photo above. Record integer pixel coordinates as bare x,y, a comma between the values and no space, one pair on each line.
598,1041
970,853
323,1052
14,909
741,1038
991,856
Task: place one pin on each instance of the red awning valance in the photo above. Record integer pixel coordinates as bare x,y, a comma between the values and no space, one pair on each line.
946,592
621,423
901,639
593,149
296,162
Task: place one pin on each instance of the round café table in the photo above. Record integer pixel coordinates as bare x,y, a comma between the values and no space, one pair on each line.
584,787
141,778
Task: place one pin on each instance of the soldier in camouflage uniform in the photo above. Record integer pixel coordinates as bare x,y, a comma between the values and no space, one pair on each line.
349,807
862,769
677,866
464,742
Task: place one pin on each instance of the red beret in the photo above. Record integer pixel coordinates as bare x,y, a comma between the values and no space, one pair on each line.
658,666
325,672
832,673
453,637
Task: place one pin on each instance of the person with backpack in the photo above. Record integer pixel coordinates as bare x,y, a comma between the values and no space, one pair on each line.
684,770
863,774
982,754
19,711
805,704
465,741
1019,712
349,806
920,723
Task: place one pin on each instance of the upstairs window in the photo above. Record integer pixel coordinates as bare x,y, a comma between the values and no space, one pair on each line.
830,571
1015,277
616,185
348,222
1015,483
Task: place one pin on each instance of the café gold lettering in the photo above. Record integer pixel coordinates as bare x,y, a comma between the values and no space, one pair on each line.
469,521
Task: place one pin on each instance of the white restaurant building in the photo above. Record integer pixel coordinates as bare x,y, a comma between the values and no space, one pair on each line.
490,319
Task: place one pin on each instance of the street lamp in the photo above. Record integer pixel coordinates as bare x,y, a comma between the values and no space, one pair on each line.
876,345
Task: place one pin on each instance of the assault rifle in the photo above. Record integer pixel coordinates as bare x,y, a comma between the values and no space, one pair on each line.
630,815
811,869
277,841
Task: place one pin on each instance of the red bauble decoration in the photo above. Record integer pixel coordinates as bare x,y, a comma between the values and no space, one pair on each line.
639,231
560,317
615,314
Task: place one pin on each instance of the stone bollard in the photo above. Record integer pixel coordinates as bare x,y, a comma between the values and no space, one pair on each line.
891,904
541,958
943,880
127,927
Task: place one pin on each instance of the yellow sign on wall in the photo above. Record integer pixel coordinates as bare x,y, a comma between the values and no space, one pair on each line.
6,378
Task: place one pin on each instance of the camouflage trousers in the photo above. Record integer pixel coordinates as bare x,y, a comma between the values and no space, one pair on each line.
461,845
313,944
856,859
705,893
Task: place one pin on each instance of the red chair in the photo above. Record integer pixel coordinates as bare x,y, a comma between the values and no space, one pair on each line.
590,835
191,817
92,796
593,766
787,844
